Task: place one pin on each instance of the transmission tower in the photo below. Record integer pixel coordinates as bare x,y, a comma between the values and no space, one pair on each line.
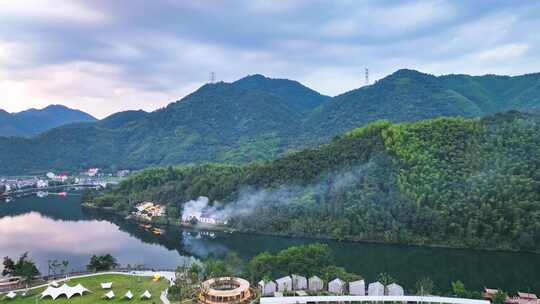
367,76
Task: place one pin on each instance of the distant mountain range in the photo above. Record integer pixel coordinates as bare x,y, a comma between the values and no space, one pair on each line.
33,121
259,118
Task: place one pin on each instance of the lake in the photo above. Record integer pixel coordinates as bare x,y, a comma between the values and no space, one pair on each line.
56,228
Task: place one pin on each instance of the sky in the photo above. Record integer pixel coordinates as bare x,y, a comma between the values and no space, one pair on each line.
104,56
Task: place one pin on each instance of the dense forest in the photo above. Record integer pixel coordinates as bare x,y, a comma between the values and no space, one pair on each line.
259,118
456,182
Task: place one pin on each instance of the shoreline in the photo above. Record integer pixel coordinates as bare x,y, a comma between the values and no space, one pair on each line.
225,229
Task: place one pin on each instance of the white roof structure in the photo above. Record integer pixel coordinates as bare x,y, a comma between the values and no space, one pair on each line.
54,284
284,284
11,295
357,288
68,291
395,290
267,288
336,286
338,299
376,289
109,295
299,282
106,285
315,283
128,295
146,295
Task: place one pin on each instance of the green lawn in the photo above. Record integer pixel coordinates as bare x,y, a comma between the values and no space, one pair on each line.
121,284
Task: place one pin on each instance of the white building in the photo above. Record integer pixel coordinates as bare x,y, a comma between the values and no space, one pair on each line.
42,183
267,288
394,290
315,283
376,289
357,288
336,286
299,282
284,284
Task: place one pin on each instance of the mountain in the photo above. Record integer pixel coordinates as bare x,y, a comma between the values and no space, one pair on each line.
249,119
409,95
454,182
258,118
32,122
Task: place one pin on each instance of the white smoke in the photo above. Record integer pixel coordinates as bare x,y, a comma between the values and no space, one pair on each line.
250,198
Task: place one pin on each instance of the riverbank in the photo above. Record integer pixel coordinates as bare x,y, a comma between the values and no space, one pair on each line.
229,229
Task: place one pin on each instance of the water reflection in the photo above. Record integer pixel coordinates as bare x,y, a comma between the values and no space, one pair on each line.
56,228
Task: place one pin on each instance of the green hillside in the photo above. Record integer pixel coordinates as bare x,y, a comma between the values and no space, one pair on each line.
258,118
456,182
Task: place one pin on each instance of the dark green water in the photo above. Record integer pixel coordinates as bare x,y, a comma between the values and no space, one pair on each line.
57,228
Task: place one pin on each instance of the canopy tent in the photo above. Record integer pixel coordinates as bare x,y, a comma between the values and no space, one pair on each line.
128,295
357,288
394,290
11,295
315,283
267,288
299,282
284,284
106,285
109,295
54,284
146,295
336,286
68,291
376,289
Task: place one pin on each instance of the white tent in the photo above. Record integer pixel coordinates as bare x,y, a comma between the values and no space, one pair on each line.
11,295
299,282
376,289
107,285
357,288
128,295
315,283
394,290
68,291
109,295
336,286
54,284
284,284
267,288
146,295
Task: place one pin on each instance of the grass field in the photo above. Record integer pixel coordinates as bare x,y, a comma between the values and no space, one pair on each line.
121,284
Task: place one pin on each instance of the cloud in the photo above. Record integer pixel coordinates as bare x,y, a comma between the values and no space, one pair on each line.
138,54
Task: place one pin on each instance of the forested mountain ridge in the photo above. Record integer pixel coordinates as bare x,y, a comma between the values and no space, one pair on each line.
409,95
455,182
33,121
259,118
241,121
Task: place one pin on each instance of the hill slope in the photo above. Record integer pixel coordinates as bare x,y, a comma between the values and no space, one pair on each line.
446,182
258,118
240,121
32,122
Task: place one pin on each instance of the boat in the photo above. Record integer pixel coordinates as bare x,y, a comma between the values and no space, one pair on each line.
62,193
157,231
8,199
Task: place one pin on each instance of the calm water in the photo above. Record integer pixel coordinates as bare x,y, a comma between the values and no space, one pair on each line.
57,228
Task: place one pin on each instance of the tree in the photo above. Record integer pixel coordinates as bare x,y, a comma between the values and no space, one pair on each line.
260,266
425,286
458,289
102,262
24,267
500,297
215,268
234,263
386,279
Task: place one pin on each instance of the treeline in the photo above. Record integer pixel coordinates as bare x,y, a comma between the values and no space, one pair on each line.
456,182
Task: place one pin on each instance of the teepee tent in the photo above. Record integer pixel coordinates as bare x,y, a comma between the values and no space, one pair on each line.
146,295
109,295
315,283
336,286
357,288
128,295
54,284
11,295
267,288
299,282
395,290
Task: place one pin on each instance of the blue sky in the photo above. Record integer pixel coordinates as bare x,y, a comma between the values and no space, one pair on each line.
107,56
